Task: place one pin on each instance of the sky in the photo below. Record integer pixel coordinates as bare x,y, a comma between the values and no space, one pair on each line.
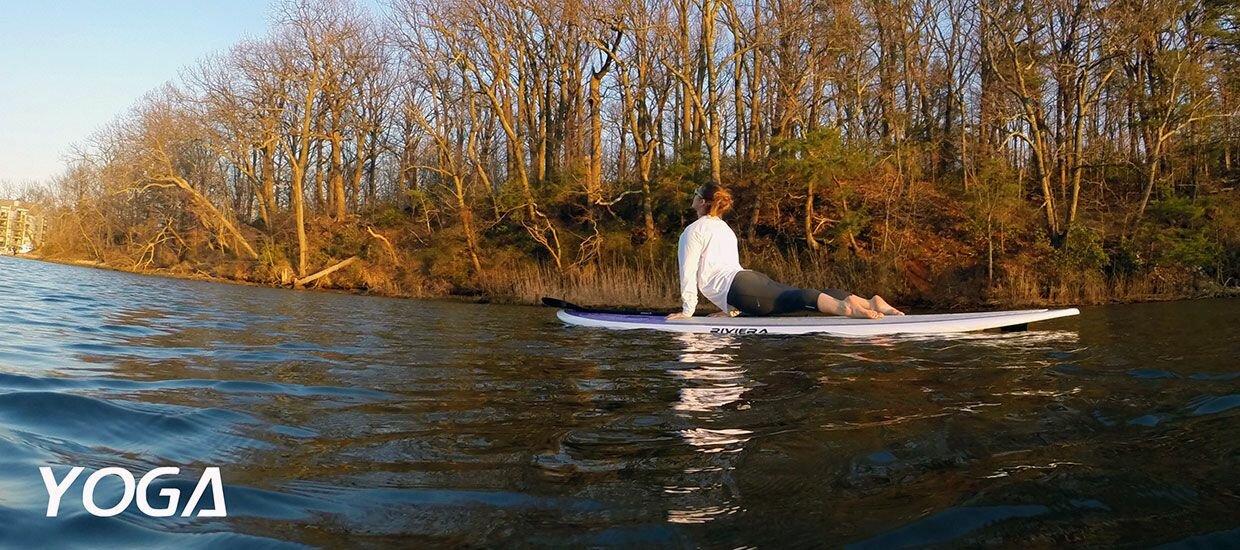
69,67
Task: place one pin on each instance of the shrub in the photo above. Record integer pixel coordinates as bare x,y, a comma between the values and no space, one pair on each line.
1081,251
1181,236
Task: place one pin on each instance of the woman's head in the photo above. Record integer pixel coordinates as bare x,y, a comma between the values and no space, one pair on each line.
711,198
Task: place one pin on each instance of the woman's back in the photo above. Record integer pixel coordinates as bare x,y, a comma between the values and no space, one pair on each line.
711,245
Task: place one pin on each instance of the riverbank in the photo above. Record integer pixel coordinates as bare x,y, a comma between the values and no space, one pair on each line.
928,254
627,285
207,277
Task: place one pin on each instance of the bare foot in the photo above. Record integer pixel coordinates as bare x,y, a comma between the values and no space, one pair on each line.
865,313
881,305
853,306
859,308
827,304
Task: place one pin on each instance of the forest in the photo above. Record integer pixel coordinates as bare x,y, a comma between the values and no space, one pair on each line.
944,153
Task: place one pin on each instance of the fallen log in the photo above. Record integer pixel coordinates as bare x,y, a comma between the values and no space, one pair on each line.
311,278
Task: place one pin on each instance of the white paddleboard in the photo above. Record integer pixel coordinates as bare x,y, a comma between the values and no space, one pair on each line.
892,324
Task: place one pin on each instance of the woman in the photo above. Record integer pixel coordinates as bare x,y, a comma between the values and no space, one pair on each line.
709,262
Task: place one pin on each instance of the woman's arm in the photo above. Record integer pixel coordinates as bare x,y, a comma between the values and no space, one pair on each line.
689,256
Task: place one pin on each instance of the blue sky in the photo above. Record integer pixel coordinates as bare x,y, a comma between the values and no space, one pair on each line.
70,67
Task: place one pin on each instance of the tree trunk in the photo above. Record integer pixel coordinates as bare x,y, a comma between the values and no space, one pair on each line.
467,223
809,217
267,190
337,180
594,181
299,208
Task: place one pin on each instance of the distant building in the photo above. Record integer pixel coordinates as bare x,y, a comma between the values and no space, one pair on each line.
22,226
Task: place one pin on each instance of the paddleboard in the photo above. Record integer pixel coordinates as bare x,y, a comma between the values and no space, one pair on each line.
824,324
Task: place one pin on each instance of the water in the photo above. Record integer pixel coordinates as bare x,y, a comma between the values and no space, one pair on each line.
367,422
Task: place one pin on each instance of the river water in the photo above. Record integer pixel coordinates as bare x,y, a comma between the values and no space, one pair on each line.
355,421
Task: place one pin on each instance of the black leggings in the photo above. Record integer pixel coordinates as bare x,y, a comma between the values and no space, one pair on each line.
754,293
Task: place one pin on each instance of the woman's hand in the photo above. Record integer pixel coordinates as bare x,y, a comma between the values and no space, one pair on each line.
724,314
676,316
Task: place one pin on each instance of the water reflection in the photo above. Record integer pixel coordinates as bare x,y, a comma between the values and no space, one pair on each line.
711,380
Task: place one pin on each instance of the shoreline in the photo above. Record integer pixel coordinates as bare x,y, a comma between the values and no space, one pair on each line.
207,278
482,297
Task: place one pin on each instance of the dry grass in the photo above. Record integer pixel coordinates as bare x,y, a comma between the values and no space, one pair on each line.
612,283
1022,286
628,284
621,282
862,276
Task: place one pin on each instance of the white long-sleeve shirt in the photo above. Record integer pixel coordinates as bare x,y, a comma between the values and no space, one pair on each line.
708,261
